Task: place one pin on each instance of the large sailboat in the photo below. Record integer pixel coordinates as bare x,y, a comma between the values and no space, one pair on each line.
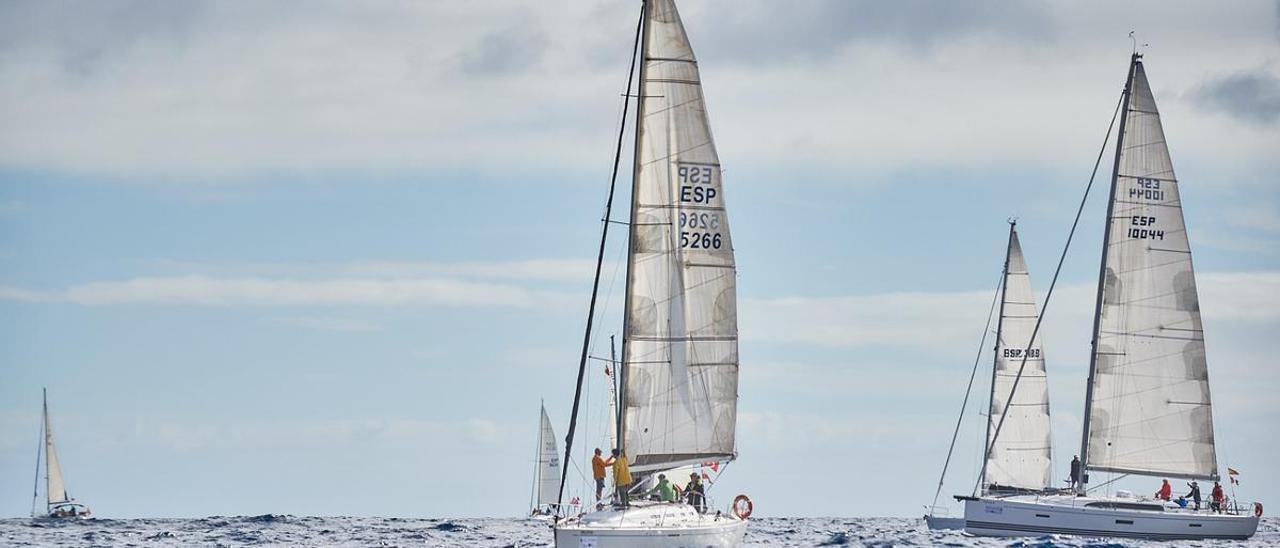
1147,405
546,480
1021,459
58,502
679,366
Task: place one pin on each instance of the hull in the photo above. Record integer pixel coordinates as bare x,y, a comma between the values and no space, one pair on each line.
940,522
661,525
1099,517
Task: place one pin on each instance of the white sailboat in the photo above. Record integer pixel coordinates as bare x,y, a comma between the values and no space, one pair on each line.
546,481
1147,405
679,366
1021,459
58,503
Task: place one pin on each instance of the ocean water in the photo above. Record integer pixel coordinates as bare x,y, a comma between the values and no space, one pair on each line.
278,530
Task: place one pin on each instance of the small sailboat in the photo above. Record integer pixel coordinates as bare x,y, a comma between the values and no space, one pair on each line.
1021,459
58,502
546,479
1147,405
679,366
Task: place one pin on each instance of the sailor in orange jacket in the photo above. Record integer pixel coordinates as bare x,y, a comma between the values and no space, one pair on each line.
598,465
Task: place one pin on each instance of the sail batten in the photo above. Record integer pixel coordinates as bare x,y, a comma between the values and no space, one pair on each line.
1150,411
1021,453
680,346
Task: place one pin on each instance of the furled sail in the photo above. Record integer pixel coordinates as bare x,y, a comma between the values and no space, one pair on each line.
56,489
548,464
1150,412
681,343
1021,455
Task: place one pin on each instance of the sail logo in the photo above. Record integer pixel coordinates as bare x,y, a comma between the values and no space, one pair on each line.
1017,353
697,183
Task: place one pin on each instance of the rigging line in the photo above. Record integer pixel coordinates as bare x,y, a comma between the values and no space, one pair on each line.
986,328
35,489
604,235
1067,247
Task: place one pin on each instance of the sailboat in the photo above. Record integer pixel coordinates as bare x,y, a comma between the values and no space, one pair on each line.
1021,459
1147,405
679,365
546,480
58,503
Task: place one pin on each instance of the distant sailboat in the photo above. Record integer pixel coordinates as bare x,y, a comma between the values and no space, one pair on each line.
679,366
1021,459
1147,405
546,482
58,503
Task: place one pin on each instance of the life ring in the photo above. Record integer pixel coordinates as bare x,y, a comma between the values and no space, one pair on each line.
742,506
1257,509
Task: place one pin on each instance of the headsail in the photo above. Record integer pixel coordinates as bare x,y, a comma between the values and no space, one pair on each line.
55,488
680,351
1022,453
1150,411
548,464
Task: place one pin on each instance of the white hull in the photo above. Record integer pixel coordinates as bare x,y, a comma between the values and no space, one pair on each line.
1099,517
657,525
941,522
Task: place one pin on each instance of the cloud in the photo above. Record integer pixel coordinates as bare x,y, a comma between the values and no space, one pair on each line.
1251,97
206,291
207,91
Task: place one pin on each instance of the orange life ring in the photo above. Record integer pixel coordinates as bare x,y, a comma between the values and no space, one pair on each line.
1257,509
742,506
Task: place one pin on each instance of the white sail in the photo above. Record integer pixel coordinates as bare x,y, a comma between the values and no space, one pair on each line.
548,464
681,345
1022,454
56,489
1150,410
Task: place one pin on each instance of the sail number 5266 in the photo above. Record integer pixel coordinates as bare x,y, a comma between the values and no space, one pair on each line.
700,240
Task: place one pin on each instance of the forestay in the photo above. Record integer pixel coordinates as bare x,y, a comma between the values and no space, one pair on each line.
548,464
681,345
1150,412
1021,455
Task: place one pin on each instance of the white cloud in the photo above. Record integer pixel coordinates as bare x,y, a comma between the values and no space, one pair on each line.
207,291
204,90
327,323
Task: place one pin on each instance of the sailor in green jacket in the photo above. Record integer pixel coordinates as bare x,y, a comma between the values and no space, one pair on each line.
664,490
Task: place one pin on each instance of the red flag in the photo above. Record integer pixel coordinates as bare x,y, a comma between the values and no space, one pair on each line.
574,502
714,465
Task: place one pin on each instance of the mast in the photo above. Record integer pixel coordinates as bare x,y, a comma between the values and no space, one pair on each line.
995,360
595,286
631,233
44,394
614,393
35,487
1102,278
537,464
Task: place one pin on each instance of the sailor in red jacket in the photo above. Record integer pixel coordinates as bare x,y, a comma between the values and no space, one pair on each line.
1217,497
1165,492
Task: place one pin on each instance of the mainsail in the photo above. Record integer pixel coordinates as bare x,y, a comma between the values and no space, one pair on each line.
55,488
548,463
1150,411
680,353
1021,455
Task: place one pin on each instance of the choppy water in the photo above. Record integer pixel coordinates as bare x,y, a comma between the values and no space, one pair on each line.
275,530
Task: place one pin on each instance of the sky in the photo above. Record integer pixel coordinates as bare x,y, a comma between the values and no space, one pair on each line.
329,261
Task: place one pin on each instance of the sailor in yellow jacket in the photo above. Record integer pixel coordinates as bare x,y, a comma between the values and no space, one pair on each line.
621,477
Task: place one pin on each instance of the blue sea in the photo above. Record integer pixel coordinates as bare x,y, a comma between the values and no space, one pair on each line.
283,530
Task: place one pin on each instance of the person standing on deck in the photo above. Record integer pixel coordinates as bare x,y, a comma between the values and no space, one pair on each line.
598,465
1217,497
696,494
1075,471
1165,492
1195,493
621,477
